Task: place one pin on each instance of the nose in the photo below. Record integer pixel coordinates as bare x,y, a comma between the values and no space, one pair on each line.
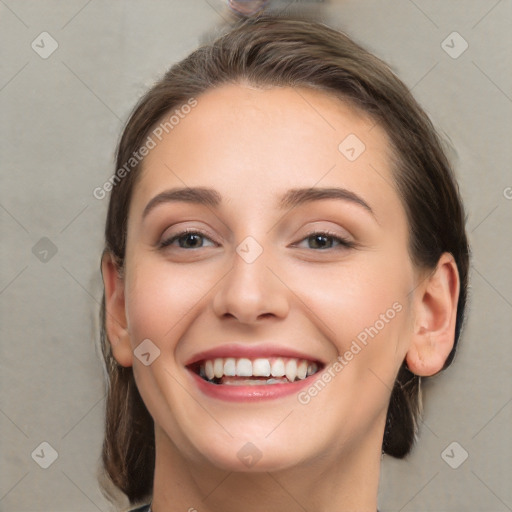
251,292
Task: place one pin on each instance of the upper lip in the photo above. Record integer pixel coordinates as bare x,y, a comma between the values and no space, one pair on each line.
250,352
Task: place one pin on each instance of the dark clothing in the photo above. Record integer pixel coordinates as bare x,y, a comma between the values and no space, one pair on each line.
145,508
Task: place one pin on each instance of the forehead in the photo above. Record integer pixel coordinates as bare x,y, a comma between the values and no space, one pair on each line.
253,144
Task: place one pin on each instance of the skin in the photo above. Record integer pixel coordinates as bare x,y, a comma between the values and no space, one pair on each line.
252,145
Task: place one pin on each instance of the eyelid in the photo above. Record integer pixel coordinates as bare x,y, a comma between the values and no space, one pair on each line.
343,241
167,241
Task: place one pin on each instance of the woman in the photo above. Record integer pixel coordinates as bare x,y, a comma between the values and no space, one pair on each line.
285,259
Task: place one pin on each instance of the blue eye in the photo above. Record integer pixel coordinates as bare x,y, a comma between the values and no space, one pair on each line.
186,237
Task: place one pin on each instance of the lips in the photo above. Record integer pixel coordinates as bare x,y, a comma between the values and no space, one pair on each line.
272,370
245,367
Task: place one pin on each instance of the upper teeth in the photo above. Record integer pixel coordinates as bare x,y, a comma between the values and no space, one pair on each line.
261,367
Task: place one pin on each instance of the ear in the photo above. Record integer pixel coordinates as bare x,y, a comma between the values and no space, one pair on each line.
115,316
435,316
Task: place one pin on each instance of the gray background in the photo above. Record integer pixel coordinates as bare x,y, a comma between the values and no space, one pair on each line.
60,120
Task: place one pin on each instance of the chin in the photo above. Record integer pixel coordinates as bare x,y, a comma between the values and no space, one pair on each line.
249,458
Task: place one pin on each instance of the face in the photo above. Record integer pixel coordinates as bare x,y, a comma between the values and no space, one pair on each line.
324,280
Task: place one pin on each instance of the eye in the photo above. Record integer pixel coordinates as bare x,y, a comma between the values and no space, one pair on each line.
323,240
185,238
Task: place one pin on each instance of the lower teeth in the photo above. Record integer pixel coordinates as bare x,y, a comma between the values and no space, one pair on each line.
237,381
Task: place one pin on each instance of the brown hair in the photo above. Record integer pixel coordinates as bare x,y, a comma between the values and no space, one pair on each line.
277,51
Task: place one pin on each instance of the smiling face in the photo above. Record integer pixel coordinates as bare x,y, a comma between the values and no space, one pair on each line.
269,271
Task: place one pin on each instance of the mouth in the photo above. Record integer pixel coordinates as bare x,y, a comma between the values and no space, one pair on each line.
263,371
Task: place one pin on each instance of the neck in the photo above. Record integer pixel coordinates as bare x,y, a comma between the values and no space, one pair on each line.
340,480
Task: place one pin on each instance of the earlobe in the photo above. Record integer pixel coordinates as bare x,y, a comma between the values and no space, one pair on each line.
115,316
435,317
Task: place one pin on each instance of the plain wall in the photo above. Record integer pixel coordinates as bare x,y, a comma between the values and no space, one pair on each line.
60,120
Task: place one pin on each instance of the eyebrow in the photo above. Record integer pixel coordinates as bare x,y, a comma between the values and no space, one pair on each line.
292,198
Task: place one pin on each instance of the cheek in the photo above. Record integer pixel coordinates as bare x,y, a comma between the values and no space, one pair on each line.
362,307
159,297
350,297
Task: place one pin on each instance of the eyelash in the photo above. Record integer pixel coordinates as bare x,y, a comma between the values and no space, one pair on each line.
342,241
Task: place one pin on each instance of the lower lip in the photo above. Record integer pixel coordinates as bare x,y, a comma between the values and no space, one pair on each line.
250,393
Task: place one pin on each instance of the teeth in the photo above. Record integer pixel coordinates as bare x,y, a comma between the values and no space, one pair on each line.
251,382
218,367
278,368
293,369
230,367
244,368
208,369
302,370
312,368
261,368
